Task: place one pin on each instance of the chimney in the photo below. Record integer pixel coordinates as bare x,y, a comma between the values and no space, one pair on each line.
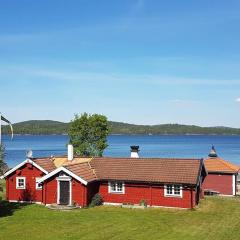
213,153
70,152
134,151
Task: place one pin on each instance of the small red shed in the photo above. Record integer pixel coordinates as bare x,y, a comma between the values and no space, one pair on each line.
222,175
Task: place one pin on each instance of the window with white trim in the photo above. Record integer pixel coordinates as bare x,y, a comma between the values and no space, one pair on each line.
171,190
38,185
116,187
20,182
238,178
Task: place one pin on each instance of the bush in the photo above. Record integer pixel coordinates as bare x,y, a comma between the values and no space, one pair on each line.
143,203
96,200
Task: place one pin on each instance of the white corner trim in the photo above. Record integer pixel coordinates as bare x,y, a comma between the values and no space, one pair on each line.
64,170
20,165
233,184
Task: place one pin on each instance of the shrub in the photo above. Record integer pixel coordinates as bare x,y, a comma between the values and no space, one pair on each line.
96,200
143,203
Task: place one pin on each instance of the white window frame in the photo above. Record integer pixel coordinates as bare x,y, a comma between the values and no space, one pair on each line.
116,183
166,194
17,182
38,187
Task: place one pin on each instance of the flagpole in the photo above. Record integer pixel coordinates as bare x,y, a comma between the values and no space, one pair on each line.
0,129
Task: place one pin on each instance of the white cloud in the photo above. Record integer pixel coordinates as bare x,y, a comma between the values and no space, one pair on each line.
238,100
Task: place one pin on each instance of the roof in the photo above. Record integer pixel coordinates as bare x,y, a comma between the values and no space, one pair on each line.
22,164
62,169
83,170
155,170
217,164
164,170
45,163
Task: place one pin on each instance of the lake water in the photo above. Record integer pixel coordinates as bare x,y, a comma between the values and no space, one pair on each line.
191,146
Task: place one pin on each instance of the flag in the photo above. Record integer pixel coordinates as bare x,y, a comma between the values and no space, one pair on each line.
7,121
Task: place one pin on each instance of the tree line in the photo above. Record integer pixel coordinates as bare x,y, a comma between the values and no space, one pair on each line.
45,127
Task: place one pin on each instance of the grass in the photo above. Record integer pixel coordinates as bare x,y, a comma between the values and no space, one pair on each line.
216,218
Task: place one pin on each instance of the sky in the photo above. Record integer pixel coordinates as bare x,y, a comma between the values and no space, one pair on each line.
135,61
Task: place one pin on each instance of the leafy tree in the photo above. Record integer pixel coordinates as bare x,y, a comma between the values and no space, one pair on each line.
3,165
88,134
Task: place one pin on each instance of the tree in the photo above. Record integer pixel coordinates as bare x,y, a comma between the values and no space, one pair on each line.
88,134
3,165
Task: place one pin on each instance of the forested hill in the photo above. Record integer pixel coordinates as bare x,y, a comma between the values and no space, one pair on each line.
37,127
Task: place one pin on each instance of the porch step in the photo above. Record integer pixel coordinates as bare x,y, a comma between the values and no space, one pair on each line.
61,207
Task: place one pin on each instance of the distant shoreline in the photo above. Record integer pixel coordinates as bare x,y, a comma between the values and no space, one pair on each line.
203,134
48,127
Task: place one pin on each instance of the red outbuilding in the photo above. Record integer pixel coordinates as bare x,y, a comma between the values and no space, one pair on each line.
222,176
67,181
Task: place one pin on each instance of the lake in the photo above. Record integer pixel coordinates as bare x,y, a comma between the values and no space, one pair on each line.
190,146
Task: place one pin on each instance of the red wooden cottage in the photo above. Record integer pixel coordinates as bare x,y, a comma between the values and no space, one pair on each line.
61,180
222,176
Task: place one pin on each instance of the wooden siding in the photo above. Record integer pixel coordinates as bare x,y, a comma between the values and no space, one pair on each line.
221,183
152,194
30,193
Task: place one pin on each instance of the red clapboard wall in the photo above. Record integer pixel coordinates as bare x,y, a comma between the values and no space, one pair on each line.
221,183
153,195
30,193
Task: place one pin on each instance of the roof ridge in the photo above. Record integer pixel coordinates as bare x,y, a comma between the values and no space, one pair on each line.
72,164
148,158
93,169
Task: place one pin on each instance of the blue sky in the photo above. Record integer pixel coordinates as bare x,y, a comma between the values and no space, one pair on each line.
145,62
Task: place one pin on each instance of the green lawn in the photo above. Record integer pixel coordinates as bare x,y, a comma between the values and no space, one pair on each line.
216,218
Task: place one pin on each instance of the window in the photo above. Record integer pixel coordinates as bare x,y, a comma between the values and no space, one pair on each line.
20,182
173,190
116,187
38,186
238,178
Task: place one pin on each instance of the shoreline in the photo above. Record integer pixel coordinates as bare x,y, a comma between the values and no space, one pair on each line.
136,134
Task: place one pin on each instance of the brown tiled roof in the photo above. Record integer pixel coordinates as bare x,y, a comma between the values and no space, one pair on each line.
147,169
216,164
45,163
83,170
